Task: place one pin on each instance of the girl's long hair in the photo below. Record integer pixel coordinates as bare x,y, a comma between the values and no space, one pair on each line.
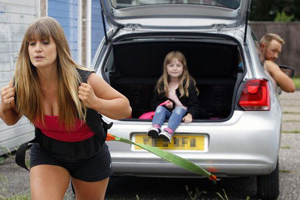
184,80
28,90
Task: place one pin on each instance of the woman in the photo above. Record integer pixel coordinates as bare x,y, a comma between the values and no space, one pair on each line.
47,88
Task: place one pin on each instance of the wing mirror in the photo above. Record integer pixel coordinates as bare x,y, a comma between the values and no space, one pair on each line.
290,71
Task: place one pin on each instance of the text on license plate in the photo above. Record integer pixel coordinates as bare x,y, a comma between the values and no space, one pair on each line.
179,142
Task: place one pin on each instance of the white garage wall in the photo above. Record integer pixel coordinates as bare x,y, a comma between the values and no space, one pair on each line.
15,16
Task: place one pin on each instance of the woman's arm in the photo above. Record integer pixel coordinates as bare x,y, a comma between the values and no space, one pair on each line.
100,96
8,111
283,80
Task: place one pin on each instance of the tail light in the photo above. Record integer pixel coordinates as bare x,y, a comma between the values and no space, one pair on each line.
255,95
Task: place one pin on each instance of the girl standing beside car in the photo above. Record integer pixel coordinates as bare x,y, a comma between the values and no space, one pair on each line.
175,97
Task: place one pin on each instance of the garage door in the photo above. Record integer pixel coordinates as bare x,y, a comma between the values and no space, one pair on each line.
15,16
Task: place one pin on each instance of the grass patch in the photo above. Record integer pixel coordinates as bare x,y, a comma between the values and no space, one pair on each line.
291,132
221,196
4,192
290,121
19,197
196,194
6,153
296,80
286,147
285,171
202,195
288,112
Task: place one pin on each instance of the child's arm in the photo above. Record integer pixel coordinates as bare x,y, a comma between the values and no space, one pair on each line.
161,100
168,104
192,105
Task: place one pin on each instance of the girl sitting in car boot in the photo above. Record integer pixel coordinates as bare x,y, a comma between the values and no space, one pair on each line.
175,97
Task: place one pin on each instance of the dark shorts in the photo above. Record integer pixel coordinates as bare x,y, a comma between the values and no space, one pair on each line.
95,168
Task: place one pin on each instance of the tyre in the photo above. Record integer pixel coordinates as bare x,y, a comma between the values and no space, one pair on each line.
268,185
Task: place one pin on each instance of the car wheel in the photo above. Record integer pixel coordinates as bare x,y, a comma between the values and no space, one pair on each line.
268,185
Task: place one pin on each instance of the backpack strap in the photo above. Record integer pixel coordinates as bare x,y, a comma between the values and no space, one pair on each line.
93,120
97,124
21,152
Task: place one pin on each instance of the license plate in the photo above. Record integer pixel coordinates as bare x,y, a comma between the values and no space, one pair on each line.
179,142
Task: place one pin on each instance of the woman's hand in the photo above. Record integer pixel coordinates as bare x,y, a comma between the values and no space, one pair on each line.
188,118
8,111
7,97
87,95
101,97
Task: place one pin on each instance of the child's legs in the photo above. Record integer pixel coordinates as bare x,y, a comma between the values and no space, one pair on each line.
176,118
160,115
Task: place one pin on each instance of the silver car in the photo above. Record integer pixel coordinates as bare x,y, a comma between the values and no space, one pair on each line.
238,131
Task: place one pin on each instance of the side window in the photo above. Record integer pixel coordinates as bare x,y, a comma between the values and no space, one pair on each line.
240,61
259,53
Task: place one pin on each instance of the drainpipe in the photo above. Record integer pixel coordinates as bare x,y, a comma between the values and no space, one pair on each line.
38,9
88,32
79,33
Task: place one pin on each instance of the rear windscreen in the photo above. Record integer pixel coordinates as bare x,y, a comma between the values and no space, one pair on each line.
233,4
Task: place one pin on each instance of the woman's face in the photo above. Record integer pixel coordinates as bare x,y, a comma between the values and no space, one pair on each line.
42,53
175,68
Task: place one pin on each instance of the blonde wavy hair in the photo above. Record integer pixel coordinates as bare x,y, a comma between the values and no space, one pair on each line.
184,80
28,91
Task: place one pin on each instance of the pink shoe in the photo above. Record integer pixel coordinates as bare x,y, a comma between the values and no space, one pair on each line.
167,134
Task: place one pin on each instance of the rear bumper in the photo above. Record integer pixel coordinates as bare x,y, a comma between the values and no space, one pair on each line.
246,145
168,170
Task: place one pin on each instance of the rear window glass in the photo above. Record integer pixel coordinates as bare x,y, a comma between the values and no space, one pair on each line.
233,4
258,50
